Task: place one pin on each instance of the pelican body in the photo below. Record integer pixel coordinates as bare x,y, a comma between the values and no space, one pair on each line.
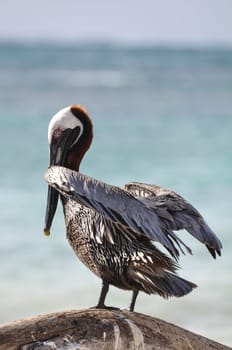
112,230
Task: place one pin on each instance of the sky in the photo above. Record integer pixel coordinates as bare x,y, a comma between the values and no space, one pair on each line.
158,21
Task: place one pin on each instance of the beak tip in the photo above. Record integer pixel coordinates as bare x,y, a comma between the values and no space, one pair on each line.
47,232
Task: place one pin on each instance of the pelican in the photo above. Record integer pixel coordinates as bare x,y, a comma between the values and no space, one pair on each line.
113,230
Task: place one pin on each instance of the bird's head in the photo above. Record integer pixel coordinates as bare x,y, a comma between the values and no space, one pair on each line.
70,133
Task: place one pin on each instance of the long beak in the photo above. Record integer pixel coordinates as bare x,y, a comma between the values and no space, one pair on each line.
52,201
58,154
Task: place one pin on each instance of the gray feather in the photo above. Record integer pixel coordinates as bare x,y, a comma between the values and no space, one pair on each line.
175,213
110,201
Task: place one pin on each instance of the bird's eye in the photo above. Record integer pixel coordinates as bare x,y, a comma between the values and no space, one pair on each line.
57,133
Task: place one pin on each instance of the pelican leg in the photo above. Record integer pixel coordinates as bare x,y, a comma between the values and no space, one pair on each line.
101,301
133,300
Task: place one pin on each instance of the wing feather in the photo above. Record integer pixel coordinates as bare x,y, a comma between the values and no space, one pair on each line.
112,202
175,213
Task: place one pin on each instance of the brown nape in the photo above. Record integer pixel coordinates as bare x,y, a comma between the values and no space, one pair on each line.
77,152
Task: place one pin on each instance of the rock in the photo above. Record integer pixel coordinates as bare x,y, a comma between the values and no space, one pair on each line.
99,329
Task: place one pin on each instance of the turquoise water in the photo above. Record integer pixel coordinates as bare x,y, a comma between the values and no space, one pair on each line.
161,116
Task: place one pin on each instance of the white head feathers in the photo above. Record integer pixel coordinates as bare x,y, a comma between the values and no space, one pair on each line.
64,119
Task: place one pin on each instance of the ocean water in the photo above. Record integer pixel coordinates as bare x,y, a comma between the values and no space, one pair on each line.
161,115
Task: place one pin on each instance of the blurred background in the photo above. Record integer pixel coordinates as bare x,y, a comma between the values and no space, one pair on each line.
156,77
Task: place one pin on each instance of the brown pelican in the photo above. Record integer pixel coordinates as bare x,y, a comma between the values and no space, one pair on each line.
112,230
